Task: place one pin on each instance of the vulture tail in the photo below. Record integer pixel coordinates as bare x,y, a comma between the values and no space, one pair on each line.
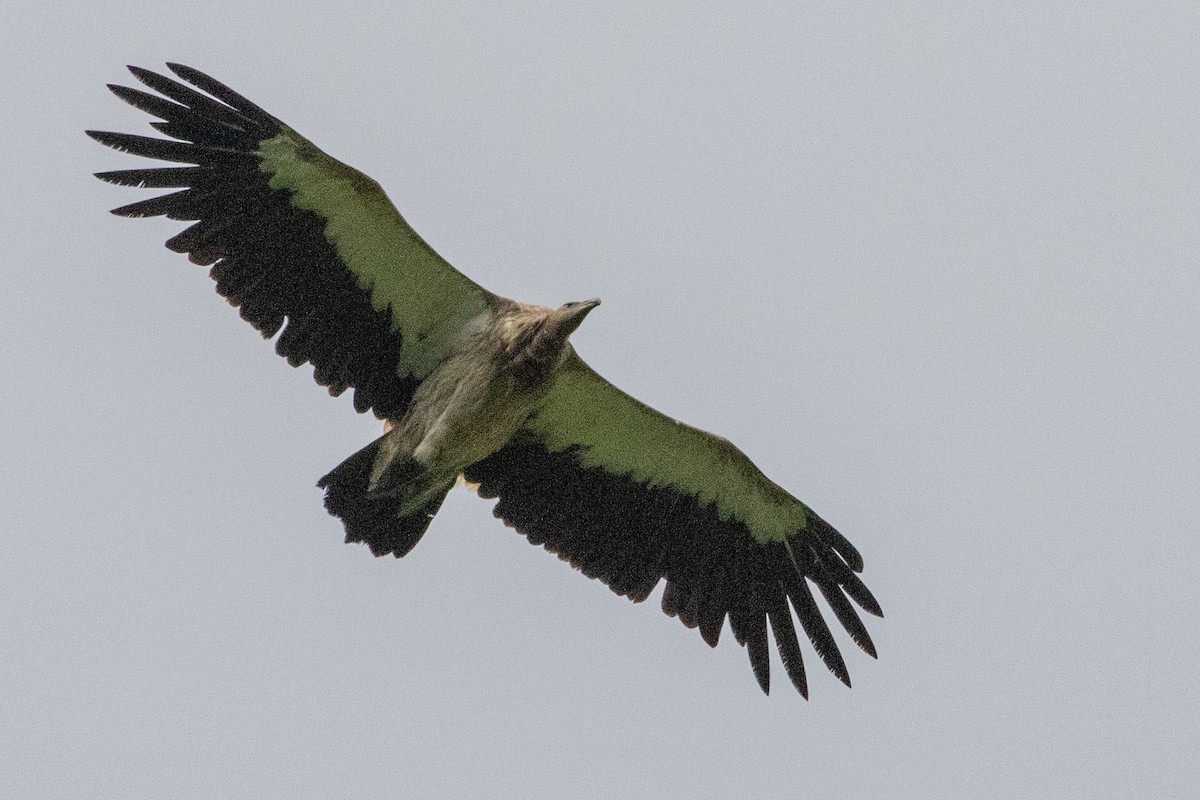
390,521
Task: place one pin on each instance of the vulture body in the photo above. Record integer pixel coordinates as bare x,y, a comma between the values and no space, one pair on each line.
313,253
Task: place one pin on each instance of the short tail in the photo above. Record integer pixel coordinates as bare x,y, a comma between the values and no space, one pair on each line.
378,518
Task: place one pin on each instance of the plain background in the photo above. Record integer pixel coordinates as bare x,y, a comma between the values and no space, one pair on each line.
934,267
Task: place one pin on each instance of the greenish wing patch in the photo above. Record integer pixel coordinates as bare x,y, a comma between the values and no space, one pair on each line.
612,431
632,498
309,250
428,298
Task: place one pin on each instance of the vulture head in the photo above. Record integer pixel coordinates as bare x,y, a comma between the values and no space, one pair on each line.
569,315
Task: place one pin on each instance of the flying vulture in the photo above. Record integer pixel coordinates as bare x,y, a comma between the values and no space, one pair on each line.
476,385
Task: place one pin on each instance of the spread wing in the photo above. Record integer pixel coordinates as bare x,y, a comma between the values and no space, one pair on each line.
295,236
631,496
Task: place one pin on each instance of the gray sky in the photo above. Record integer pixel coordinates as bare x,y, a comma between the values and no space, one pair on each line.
933,268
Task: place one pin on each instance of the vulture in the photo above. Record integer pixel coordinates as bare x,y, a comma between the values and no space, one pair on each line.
473,385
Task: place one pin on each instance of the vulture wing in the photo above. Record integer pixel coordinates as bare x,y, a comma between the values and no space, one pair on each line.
294,235
631,496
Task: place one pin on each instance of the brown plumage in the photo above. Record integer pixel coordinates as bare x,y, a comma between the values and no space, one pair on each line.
495,373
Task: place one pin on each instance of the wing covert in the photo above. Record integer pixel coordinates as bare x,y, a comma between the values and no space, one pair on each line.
294,236
631,496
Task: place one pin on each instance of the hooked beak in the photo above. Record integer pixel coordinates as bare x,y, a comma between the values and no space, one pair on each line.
576,314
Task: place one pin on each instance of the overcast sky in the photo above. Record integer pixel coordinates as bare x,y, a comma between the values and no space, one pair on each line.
934,268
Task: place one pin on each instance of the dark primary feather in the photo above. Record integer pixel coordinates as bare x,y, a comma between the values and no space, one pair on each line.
157,177
269,258
224,94
631,536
